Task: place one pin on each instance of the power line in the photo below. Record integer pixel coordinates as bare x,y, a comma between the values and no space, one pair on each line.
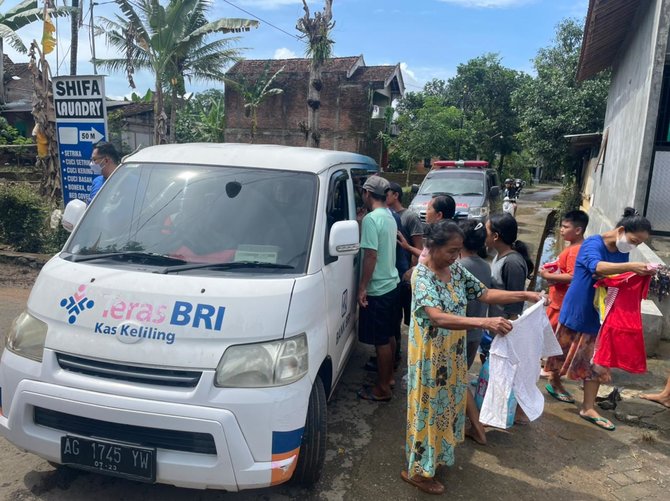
263,21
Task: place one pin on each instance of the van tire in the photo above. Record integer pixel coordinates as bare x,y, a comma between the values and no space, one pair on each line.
313,445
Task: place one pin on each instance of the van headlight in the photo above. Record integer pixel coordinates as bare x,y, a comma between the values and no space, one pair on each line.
478,212
263,364
26,337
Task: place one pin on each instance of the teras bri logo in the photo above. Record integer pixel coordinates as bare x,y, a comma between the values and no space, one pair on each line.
76,303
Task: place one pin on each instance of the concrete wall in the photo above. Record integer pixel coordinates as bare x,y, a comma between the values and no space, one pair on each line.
632,109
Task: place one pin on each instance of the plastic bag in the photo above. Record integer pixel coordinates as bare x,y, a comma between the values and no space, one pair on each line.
480,391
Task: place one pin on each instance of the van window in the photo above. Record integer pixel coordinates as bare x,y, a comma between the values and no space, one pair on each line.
337,206
455,183
202,214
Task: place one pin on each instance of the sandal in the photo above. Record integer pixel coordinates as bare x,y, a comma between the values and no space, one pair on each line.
365,393
600,422
427,485
561,397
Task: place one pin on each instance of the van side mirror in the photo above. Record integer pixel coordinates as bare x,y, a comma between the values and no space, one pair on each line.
343,239
415,189
72,214
494,191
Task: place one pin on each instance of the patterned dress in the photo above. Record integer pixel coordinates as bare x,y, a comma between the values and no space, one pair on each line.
437,370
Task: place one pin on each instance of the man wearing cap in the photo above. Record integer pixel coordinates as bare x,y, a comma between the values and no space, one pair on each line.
377,288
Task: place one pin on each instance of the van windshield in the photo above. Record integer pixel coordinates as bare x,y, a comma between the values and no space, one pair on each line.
258,220
455,183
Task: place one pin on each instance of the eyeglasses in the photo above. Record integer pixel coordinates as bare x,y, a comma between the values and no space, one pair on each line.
97,159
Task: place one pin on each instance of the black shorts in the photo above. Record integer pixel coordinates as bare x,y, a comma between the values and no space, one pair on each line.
376,321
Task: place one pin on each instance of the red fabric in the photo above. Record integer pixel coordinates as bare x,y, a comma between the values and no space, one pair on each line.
620,342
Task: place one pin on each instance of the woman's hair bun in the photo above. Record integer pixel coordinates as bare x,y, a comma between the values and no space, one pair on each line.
629,212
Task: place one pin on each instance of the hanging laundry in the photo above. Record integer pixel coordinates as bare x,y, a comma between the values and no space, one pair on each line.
515,366
620,341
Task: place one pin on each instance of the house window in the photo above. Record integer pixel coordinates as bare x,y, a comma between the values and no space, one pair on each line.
663,124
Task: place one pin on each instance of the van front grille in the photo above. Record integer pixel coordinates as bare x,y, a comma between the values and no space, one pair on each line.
130,373
186,441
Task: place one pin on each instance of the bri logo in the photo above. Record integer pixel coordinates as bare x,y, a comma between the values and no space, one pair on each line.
76,303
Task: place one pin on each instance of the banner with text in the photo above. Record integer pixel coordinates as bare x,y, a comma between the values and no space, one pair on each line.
81,121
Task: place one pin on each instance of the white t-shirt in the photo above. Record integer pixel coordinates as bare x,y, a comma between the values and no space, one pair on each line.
515,366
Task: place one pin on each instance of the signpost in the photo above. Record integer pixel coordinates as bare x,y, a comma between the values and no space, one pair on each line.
81,121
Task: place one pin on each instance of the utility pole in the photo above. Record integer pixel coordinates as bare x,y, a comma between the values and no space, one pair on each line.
92,35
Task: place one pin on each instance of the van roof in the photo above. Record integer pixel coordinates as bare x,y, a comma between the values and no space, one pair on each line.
264,156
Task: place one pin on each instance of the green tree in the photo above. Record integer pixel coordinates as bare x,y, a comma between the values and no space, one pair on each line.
254,92
554,104
316,31
202,119
431,131
482,89
173,43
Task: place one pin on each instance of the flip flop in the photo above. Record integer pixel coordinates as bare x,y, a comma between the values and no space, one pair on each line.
429,487
561,397
365,393
598,420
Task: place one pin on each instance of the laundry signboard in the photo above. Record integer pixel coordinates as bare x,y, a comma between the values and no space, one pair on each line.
81,121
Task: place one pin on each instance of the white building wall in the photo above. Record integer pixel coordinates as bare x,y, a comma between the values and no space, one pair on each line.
632,109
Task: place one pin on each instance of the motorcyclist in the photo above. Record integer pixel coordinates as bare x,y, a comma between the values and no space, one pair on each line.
509,196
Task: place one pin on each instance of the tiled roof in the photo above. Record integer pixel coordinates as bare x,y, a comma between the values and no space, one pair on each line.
374,73
297,65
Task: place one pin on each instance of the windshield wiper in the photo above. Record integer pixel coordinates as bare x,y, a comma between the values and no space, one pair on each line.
152,257
235,265
473,194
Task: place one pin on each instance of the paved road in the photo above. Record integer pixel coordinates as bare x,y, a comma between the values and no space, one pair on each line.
558,456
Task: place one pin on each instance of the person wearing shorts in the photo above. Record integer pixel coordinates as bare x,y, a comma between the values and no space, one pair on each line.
377,294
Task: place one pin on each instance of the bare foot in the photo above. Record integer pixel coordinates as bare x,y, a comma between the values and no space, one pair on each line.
659,398
520,417
476,433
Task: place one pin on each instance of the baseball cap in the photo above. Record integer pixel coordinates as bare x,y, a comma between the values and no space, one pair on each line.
377,185
395,187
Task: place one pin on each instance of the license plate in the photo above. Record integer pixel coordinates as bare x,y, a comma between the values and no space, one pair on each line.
112,458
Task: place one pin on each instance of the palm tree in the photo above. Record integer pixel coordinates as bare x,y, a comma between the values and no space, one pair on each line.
255,92
316,31
170,42
10,22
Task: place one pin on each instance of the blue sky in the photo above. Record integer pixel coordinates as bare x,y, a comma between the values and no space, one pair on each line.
429,38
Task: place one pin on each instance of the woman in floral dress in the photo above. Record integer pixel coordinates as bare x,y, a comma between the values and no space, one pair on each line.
437,363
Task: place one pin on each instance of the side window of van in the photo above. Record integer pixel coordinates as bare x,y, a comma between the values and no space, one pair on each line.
337,207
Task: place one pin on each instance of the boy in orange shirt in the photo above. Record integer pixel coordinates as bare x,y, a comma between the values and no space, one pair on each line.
573,226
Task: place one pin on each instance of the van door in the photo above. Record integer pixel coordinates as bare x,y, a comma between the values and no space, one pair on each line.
340,273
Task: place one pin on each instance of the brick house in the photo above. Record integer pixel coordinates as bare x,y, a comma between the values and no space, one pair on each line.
18,88
353,102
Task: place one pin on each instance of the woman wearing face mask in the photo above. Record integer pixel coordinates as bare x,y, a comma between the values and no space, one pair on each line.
579,323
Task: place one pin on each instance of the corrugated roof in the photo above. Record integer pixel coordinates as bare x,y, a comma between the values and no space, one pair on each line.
607,24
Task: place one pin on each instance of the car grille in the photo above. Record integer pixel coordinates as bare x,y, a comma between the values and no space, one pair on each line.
130,373
186,441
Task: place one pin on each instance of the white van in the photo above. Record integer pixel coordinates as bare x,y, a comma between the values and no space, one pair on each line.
195,322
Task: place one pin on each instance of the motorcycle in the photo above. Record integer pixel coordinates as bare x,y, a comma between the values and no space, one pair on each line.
509,206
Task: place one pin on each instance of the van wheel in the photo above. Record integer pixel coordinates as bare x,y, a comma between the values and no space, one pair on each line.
313,446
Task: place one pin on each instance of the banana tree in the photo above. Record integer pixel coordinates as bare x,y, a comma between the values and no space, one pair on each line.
171,42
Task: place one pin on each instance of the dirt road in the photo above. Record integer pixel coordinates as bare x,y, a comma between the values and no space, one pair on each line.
559,456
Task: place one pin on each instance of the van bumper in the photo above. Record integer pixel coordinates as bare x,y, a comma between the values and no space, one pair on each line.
231,467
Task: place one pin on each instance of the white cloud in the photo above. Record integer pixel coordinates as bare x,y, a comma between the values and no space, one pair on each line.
406,72
284,53
487,3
